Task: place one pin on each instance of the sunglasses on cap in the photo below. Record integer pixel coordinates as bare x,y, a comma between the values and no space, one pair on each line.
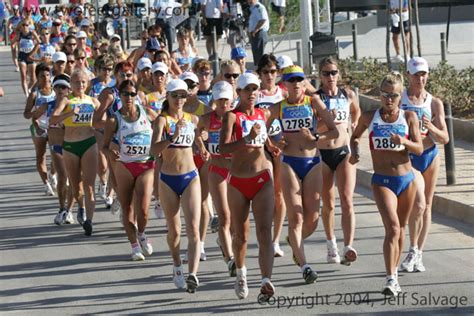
128,94
228,76
330,73
178,95
389,95
295,79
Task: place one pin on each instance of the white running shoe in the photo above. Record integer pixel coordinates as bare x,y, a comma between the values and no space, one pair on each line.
69,218
147,248
419,266
178,277
203,256
267,290
333,256
159,210
277,252
115,207
60,218
391,288
137,254
108,201
48,189
399,58
240,287
103,191
409,262
17,69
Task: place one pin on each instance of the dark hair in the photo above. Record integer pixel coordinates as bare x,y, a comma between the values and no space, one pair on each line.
165,106
42,67
326,61
123,65
266,60
68,37
125,84
64,77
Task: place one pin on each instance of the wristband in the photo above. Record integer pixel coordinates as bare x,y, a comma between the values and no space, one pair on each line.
248,139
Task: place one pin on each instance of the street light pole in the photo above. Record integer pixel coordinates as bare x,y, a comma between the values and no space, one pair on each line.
306,32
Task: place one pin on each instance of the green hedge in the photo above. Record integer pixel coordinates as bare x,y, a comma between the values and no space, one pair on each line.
445,82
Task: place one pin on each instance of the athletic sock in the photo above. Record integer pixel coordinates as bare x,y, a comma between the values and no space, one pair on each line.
331,244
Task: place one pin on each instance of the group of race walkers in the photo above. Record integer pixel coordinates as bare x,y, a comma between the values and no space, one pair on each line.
158,125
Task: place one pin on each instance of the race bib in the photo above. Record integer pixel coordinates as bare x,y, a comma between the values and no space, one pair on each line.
86,111
186,136
258,141
213,143
381,137
136,145
295,118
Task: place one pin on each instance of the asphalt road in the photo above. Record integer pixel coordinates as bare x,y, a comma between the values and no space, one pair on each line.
56,270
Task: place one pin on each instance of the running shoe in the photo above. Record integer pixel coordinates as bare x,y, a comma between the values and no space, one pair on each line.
277,252
391,288
48,189
137,254
295,260
87,227
419,266
267,290
17,69
232,267
192,283
115,207
81,216
108,202
203,256
349,255
60,217
103,190
69,218
409,262
333,256
178,277
240,287
160,214
399,58
147,248
309,275
214,224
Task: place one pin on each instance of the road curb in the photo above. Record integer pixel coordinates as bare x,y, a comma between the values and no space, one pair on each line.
441,205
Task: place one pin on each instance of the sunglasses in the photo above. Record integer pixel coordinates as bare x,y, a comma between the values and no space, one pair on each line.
228,76
178,95
71,61
61,87
107,69
24,25
81,58
271,71
126,75
330,73
389,95
71,44
128,94
295,79
204,73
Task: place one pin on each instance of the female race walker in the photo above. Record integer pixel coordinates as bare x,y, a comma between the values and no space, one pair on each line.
223,94
134,169
301,167
80,148
344,107
173,137
433,129
250,180
393,133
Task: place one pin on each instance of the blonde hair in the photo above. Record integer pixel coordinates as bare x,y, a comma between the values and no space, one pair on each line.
392,78
327,60
228,63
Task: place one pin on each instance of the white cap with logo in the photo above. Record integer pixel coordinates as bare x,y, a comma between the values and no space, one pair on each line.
176,84
417,64
188,75
284,61
59,56
246,79
159,66
144,63
222,90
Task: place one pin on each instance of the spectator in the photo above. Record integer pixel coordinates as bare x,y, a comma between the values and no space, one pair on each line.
258,29
163,19
194,7
279,7
212,13
396,18
239,55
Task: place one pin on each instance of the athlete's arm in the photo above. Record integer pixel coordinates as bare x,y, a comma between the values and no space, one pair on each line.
362,125
58,116
321,110
225,142
96,124
110,130
30,101
202,127
157,142
437,126
354,108
413,143
39,111
105,99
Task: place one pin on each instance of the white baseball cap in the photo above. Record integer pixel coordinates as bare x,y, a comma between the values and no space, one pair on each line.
115,36
85,22
176,84
60,13
144,63
159,66
59,56
81,34
222,90
417,64
284,61
188,75
246,79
